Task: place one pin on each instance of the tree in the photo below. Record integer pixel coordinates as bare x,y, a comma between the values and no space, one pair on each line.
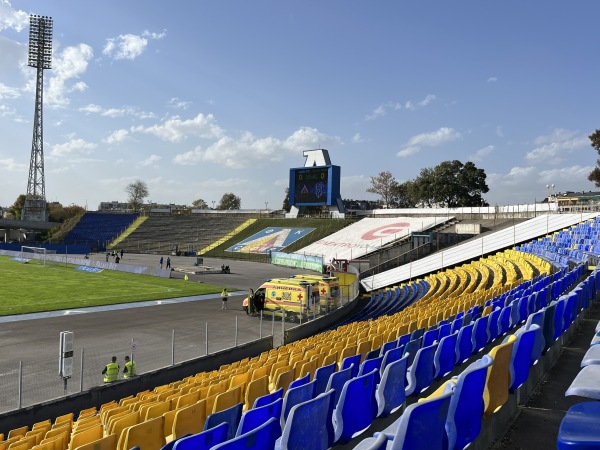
199,204
230,201
59,213
137,192
15,210
451,184
402,195
594,175
383,185
286,201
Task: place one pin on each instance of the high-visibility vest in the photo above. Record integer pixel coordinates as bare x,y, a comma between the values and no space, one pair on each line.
130,366
112,372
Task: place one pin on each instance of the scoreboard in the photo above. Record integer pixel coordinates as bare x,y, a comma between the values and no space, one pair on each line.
314,186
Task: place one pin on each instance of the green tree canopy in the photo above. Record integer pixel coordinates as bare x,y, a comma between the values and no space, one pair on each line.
14,211
384,185
594,175
230,201
137,192
199,204
286,201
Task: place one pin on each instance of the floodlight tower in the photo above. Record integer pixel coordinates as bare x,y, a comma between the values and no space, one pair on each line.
40,57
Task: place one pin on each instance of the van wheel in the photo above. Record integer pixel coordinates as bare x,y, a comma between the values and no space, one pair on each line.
293,317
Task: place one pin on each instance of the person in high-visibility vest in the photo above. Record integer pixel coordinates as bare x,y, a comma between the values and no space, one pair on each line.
129,370
224,298
111,371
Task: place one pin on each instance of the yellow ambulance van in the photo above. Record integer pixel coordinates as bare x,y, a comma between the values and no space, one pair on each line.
329,290
284,296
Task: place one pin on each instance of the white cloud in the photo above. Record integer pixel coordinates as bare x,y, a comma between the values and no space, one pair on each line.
479,154
427,100
12,165
553,148
129,46
8,92
499,131
11,18
382,110
432,139
174,129
74,146
150,160
69,64
249,151
117,136
565,176
178,104
117,112
357,138
492,79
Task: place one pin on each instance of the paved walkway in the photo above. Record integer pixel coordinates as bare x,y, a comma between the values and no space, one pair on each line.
538,421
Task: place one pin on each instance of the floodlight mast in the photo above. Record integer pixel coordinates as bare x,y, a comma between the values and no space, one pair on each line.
40,57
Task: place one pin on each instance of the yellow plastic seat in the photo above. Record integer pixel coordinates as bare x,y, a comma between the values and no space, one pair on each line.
106,443
86,436
227,399
18,432
497,381
148,435
155,410
188,420
256,388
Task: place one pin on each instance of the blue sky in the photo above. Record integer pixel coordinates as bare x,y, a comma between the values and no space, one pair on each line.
207,97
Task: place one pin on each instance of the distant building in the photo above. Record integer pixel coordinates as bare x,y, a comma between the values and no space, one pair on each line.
577,198
114,206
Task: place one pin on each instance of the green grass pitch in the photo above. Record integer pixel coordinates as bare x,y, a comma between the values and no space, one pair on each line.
31,287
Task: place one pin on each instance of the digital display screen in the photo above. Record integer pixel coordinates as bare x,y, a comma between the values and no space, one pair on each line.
314,186
311,185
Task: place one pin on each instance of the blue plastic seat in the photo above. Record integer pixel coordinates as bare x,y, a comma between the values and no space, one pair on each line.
388,346
204,440
268,399
548,328
300,381
373,353
464,344
466,406
420,374
231,416
255,417
444,358
337,381
356,408
392,355
504,321
417,334
411,348
559,325
494,324
309,425
351,361
579,427
296,395
421,426
261,438
390,393
403,340
521,357
481,334
444,330
378,443
322,375
368,366
430,337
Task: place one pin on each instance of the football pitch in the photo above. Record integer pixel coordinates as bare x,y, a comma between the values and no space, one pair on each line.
33,287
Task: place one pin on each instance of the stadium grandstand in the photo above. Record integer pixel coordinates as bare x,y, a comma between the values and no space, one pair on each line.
443,351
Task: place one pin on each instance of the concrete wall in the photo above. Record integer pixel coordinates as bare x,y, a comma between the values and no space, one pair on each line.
468,228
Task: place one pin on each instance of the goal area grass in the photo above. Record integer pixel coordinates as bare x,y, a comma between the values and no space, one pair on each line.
31,287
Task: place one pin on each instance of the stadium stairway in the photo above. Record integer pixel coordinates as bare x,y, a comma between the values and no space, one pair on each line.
136,223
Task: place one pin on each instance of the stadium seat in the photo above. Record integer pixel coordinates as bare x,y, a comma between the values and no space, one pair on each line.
352,361
299,381
204,440
480,336
187,420
148,435
378,443
255,417
356,408
231,416
295,396
106,443
420,374
579,427
370,364
445,356
421,426
309,425
464,344
466,405
261,438
268,399
521,357
495,393
256,388
337,381
390,393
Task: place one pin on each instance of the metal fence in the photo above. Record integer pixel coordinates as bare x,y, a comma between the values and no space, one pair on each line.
31,380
